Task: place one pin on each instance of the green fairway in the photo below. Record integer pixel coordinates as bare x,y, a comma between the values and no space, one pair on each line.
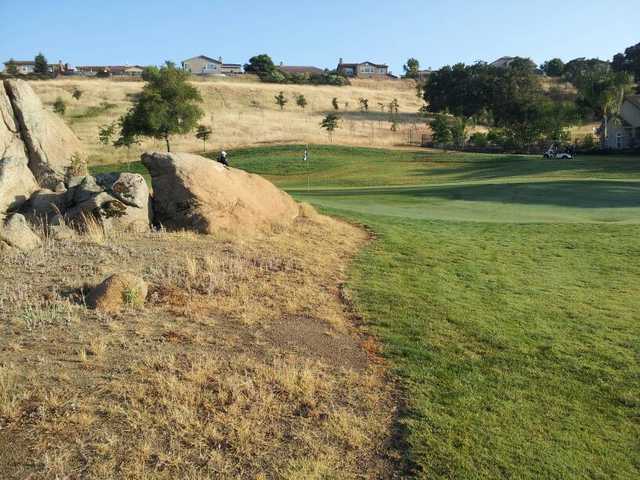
506,298
504,291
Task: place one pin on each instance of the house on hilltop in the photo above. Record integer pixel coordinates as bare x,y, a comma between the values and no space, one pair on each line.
363,70
203,65
26,67
300,70
625,133
111,70
503,62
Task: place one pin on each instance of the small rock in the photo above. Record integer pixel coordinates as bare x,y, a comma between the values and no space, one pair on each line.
15,231
117,291
88,188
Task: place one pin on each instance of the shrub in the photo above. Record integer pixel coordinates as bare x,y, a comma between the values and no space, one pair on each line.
59,106
588,142
77,167
479,139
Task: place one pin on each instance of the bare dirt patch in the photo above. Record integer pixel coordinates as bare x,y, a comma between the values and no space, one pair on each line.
242,364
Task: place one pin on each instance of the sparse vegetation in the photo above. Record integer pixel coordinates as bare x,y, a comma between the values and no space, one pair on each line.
281,100
77,93
330,123
203,133
301,101
59,106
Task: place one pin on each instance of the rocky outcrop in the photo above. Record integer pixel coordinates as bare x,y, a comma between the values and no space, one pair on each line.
117,291
195,193
16,183
116,201
49,143
16,180
15,232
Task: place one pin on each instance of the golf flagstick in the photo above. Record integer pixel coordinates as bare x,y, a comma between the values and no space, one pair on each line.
306,160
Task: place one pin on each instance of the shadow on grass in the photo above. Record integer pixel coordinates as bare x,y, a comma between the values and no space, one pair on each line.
577,194
489,167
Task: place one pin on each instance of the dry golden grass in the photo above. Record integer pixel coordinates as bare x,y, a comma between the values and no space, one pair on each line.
244,362
241,111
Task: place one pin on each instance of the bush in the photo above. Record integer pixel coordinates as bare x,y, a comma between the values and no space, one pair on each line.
588,142
59,106
479,139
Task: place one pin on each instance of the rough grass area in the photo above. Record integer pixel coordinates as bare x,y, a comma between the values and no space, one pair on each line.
242,112
515,332
244,362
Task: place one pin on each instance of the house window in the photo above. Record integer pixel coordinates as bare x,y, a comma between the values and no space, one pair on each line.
368,69
619,140
211,66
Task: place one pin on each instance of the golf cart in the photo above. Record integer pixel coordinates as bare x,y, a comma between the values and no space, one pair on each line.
554,152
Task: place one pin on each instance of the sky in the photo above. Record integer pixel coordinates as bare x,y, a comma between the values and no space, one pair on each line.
318,33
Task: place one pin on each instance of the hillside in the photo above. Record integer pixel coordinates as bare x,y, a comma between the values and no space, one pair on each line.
243,112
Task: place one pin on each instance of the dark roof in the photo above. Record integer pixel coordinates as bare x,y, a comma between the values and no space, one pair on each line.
378,65
209,59
299,69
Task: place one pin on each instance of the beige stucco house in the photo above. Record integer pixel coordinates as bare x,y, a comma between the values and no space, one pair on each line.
624,133
203,65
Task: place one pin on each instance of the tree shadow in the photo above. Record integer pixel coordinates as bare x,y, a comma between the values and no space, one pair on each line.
490,167
576,194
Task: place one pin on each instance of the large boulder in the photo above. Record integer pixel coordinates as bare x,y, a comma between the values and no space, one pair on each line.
49,142
15,231
194,193
16,180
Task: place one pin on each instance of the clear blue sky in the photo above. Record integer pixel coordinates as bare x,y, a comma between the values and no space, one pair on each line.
302,32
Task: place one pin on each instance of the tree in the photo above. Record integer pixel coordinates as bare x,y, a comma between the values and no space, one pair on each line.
41,66
334,102
364,104
12,68
106,133
553,67
604,96
411,68
77,93
628,62
459,132
301,101
125,139
167,105
260,64
281,100
203,133
59,106
440,131
330,123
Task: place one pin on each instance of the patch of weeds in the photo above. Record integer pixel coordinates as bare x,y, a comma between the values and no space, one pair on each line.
132,297
50,314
